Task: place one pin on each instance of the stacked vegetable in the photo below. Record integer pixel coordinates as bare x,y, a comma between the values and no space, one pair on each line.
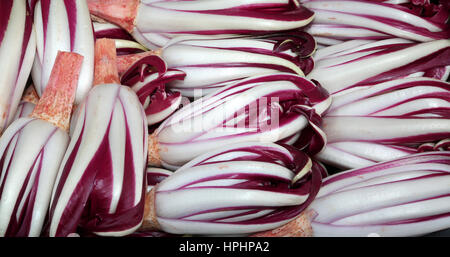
249,118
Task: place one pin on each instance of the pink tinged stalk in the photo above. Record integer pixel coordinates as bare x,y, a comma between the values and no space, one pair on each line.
153,24
31,150
105,70
353,19
272,108
237,189
100,186
148,78
213,63
386,121
17,50
389,59
27,104
63,26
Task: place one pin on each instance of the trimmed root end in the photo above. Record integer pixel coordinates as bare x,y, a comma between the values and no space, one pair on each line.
120,12
150,222
153,151
30,95
299,227
55,105
105,62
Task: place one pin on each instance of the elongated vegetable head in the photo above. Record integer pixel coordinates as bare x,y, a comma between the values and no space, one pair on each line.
100,186
153,24
237,189
388,60
386,121
280,107
32,149
354,19
213,63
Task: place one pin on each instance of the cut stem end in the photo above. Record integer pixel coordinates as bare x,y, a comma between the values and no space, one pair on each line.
153,151
55,105
30,95
105,62
150,222
120,12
